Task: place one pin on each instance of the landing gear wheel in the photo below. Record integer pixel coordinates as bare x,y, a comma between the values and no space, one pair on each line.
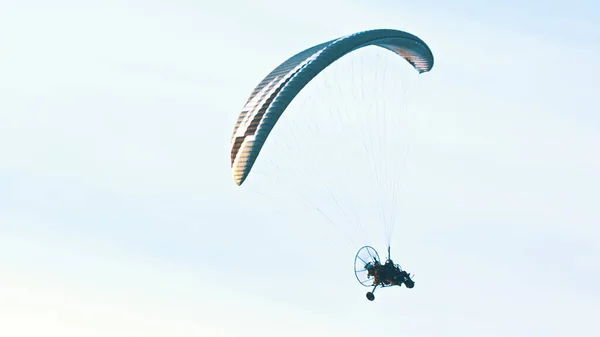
364,260
370,296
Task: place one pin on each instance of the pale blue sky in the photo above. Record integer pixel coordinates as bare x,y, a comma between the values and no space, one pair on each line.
119,215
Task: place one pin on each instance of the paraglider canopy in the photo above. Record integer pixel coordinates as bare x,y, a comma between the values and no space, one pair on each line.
273,94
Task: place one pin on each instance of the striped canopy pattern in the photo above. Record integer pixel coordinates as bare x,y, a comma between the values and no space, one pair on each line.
275,92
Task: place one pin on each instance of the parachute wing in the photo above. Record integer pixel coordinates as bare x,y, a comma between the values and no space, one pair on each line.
275,92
